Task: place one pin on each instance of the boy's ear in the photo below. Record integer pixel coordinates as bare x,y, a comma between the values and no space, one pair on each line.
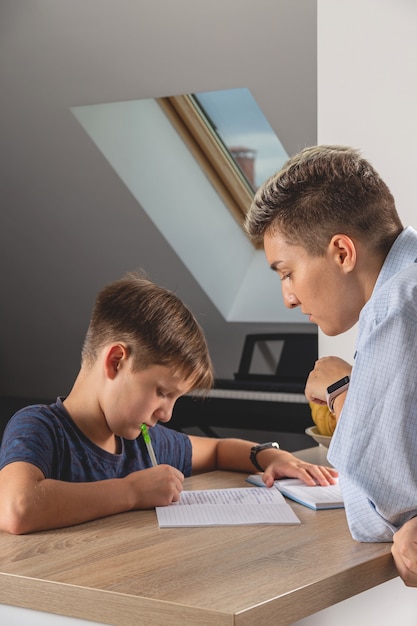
116,355
343,250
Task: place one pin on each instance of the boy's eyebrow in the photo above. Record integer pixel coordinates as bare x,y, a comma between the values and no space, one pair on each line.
172,387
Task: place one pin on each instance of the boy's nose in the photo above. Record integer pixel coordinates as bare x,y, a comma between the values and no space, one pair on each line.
163,414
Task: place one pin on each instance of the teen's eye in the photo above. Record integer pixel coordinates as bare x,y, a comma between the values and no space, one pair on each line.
286,276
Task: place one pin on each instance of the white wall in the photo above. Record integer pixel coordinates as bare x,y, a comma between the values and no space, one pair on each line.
378,606
367,98
16,616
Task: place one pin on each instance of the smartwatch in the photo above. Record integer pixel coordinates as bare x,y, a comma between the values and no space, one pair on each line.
256,449
335,390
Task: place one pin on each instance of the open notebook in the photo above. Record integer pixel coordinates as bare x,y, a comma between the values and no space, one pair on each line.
316,497
227,507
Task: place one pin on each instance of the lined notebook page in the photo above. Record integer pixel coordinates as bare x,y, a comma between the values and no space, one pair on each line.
227,507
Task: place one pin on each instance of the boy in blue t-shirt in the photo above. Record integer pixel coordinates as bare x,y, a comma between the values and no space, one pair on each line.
82,457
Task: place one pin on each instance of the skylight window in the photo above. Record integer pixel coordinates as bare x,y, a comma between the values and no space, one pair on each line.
186,187
232,140
242,127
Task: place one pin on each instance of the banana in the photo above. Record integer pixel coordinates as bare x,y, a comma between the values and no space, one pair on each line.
323,418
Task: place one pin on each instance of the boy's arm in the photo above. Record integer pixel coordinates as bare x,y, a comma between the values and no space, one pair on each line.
234,454
29,502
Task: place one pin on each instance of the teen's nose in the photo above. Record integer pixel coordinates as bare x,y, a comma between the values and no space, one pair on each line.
290,300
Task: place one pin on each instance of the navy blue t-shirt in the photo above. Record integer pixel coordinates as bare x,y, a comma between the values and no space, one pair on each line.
47,437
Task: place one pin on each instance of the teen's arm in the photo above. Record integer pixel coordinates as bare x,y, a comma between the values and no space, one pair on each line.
404,551
234,454
29,502
327,371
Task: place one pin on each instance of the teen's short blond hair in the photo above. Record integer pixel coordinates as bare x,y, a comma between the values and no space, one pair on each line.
323,191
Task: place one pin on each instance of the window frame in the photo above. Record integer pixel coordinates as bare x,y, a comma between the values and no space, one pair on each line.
207,148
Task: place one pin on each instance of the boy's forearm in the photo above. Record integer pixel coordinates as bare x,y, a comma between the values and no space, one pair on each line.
234,454
56,504
29,502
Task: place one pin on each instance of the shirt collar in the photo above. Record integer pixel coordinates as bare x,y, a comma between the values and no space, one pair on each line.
402,253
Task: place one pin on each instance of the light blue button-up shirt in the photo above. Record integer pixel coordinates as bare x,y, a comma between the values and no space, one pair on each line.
374,446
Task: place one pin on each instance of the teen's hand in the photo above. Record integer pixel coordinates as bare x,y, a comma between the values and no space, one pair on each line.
404,551
327,370
156,486
286,465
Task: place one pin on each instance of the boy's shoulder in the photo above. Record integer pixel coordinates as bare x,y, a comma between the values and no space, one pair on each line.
38,417
40,411
34,434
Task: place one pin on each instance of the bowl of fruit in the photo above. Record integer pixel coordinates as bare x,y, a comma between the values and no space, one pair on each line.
324,424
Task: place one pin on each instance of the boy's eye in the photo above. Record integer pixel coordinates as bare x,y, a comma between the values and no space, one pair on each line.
161,393
285,276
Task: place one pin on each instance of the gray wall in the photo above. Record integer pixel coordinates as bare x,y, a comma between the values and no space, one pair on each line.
68,224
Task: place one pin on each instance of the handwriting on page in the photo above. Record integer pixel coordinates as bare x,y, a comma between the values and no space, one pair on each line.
230,496
225,507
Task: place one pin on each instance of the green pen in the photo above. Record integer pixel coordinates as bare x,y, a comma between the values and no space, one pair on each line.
148,444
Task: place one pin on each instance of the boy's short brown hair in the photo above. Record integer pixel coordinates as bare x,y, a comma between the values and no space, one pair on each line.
155,324
323,191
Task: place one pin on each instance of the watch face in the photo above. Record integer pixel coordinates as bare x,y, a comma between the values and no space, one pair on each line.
338,384
265,446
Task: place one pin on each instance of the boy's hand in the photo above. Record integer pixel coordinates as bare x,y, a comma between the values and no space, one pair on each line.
286,465
156,486
404,551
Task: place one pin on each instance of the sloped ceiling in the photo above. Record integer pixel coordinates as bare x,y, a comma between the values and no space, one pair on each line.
68,223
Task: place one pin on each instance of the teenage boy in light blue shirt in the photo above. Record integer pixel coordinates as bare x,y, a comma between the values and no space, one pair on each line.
331,232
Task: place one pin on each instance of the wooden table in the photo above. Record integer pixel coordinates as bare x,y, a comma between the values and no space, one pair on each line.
125,570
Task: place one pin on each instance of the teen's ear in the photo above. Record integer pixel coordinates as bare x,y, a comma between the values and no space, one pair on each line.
343,250
115,357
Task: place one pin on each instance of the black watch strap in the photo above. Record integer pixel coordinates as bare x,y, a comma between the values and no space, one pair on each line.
256,449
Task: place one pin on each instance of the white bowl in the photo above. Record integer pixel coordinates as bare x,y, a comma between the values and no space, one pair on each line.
323,440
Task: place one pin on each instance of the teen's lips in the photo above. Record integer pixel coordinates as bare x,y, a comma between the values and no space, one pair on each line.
309,315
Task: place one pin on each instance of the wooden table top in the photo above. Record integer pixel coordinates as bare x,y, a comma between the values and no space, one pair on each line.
125,570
